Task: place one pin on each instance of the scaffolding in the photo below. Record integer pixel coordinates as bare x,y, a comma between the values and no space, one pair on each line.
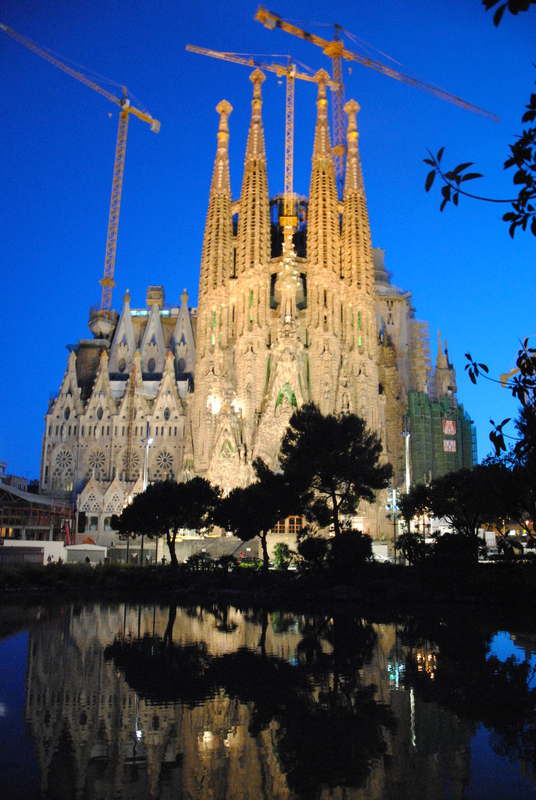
420,364
443,437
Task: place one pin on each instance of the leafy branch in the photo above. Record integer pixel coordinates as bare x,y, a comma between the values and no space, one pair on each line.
522,157
522,384
513,6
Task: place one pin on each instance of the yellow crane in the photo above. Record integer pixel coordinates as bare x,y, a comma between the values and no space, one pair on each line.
102,322
289,220
336,50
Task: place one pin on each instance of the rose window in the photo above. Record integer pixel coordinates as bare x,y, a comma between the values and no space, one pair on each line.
134,463
164,466
97,465
64,460
164,460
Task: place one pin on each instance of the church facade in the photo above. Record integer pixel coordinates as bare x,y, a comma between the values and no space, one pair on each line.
168,392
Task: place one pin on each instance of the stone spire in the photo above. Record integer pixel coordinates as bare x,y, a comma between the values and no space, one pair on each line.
441,360
445,375
217,256
253,238
323,238
357,256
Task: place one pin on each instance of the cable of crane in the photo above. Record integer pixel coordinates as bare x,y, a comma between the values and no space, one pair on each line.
87,71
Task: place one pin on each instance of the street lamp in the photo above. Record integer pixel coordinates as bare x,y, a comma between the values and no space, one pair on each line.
406,434
147,441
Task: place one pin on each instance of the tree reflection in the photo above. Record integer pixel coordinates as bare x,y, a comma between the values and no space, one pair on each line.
329,727
474,685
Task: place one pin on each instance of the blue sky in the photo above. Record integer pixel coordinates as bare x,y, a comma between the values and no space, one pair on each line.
57,145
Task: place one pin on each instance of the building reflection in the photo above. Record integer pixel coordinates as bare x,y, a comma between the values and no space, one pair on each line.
231,703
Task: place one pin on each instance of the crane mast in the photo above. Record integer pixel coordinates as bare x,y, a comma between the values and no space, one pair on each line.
336,50
289,220
100,324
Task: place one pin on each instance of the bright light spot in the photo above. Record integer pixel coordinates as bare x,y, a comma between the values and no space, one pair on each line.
236,406
214,403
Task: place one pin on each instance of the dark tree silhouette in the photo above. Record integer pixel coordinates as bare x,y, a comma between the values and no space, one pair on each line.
166,507
254,510
333,462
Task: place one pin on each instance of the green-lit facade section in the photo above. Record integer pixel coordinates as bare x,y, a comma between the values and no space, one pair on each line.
443,437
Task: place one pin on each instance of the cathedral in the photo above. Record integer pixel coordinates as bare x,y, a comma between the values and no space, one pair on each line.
287,314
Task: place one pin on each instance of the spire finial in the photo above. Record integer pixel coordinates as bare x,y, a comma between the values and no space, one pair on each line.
439,349
354,175
253,245
224,109
322,77
216,257
352,108
257,78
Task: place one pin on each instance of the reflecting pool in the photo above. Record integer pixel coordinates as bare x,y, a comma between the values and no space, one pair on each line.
143,701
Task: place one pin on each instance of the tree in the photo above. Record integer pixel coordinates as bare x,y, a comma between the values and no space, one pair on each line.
314,551
333,462
468,499
415,503
283,556
521,382
519,465
254,510
522,157
348,553
166,507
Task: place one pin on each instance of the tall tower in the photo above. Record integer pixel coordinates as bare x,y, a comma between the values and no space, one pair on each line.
250,290
214,369
324,309
359,330
234,309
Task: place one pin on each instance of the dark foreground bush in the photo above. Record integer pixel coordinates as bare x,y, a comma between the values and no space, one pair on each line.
348,554
314,553
430,583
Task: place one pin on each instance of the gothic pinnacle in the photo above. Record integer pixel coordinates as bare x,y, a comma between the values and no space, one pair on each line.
322,145
224,109
323,232
257,78
354,175
220,180
322,77
253,234
216,258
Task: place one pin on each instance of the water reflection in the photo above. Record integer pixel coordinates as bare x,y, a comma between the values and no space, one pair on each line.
152,701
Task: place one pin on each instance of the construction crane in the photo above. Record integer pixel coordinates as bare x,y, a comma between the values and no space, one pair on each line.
337,51
289,220
102,322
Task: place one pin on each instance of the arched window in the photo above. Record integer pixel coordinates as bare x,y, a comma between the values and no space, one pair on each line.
63,471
